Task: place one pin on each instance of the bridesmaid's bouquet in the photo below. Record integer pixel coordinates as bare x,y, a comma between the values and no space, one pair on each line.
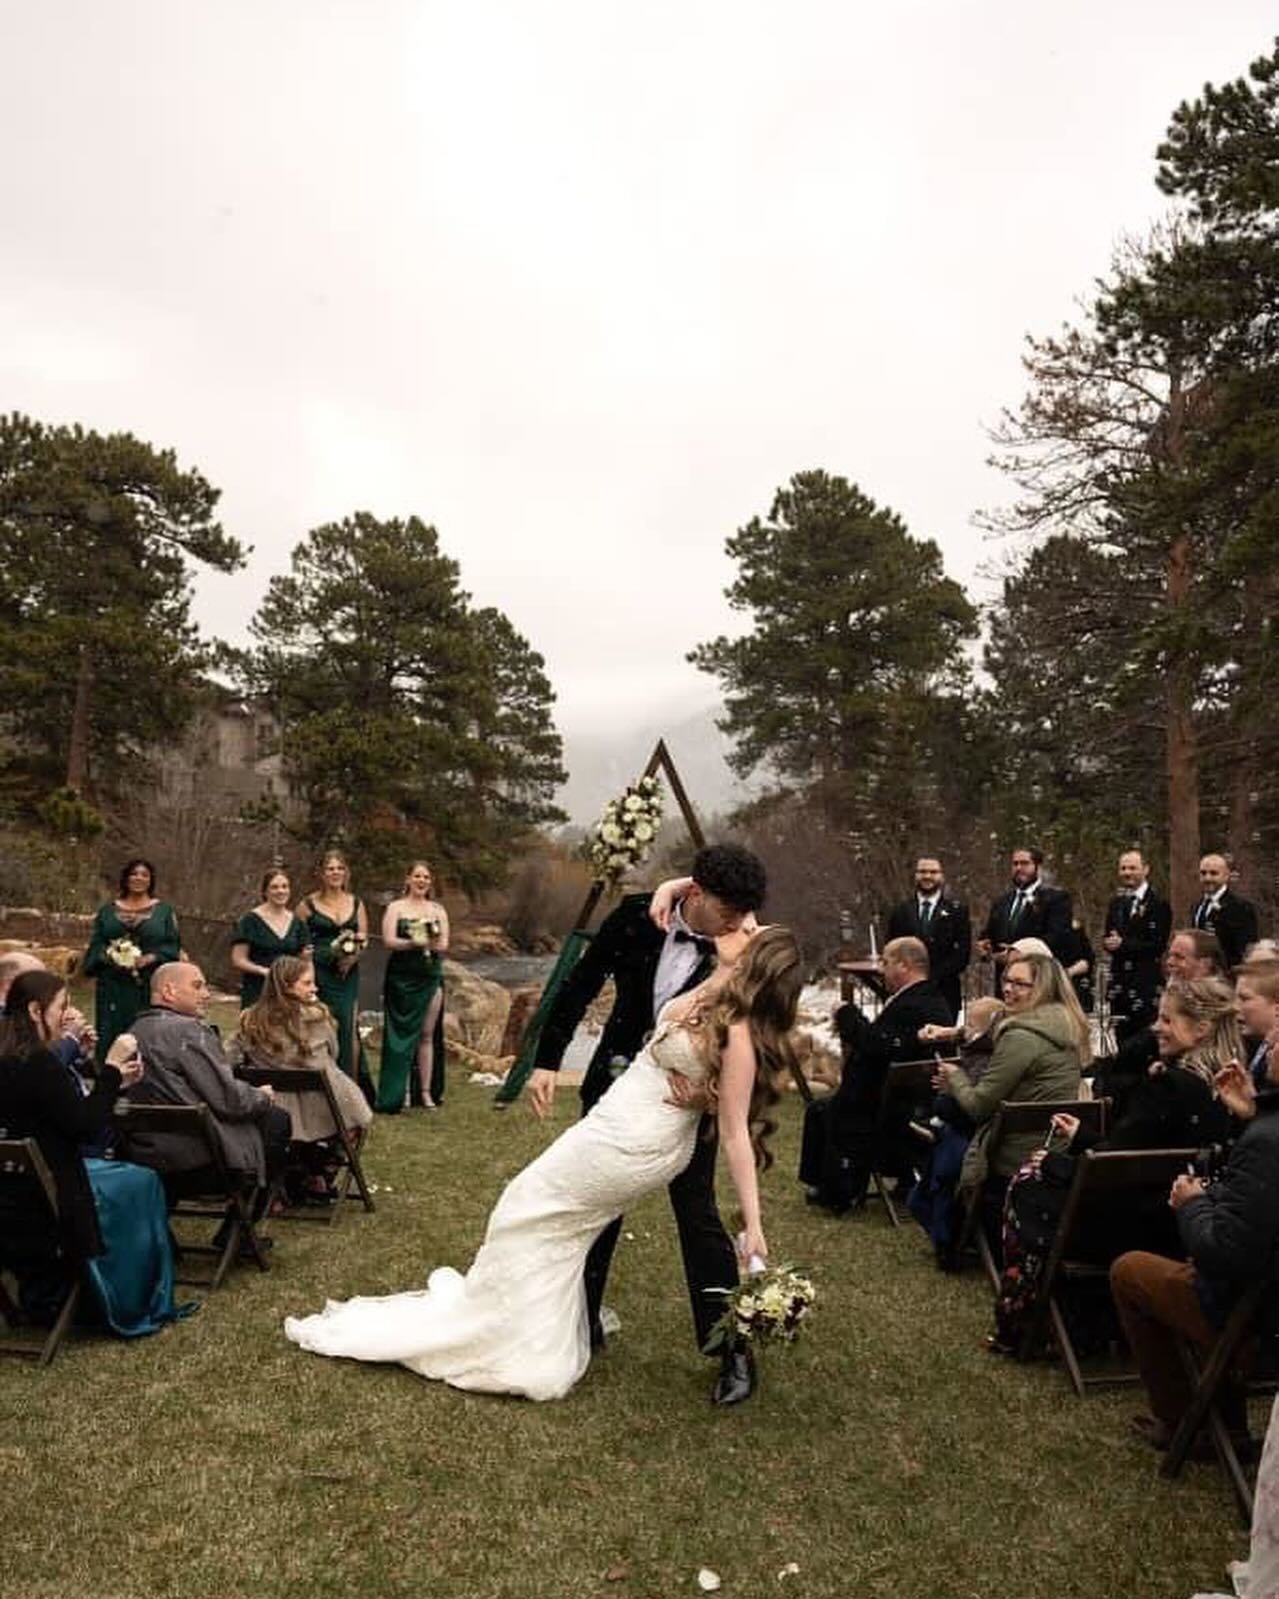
349,944
422,930
768,1307
124,954
626,832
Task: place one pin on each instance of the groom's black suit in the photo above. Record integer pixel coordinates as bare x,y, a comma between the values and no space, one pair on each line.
627,948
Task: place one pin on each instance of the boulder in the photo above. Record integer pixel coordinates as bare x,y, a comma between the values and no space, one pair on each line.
475,1011
57,958
523,1004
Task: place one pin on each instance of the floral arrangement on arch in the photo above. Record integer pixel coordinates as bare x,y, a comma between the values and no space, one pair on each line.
626,831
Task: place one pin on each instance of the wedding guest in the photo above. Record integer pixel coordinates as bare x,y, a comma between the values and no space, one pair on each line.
1230,1232
942,923
1041,1047
1257,1000
1078,960
415,928
1174,1106
111,1215
1220,910
132,935
289,1027
265,933
1029,909
186,1065
337,926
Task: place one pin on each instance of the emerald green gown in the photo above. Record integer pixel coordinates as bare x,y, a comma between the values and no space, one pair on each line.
340,993
412,978
120,994
265,946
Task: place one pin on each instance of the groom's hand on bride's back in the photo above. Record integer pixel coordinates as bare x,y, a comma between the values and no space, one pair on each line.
541,1091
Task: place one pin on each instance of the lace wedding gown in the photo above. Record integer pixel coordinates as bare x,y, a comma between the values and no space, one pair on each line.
516,1323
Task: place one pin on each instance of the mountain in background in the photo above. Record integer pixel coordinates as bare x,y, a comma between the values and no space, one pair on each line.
600,765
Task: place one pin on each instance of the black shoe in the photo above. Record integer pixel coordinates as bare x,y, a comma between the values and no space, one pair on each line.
598,1340
736,1380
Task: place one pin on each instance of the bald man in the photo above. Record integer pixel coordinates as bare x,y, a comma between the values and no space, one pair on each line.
1222,911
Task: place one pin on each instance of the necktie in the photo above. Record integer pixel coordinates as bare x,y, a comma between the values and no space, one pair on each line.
1019,905
925,913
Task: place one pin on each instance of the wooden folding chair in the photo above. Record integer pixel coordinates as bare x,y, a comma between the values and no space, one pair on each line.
345,1143
906,1082
1101,1177
227,1200
1204,1410
1019,1116
22,1163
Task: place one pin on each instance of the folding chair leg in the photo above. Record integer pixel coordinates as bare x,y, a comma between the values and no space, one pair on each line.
230,1247
1231,1464
1204,1385
987,1260
59,1329
1061,1335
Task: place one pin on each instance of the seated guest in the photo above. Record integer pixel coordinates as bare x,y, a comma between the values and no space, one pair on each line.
186,1066
111,1215
1257,998
838,1152
288,1027
1230,1232
1191,956
1174,1106
1041,1047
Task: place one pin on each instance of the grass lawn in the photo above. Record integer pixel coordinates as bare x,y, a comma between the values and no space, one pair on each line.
887,1454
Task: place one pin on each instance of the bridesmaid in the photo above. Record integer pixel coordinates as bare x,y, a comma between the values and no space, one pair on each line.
151,927
415,929
265,933
328,913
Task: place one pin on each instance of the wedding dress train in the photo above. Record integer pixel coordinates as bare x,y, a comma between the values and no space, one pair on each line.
516,1323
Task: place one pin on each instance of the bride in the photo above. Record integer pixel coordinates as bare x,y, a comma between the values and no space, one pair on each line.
516,1323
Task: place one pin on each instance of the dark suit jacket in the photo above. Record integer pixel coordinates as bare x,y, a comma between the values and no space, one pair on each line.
1234,921
1135,965
626,948
38,1100
948,937
871,1047
1047,916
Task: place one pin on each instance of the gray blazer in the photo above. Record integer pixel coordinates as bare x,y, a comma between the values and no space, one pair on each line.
184,1065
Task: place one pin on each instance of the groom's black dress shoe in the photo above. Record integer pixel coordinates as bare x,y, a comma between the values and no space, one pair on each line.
736,1379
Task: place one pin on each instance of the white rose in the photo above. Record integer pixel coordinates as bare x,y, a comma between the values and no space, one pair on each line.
611,834
643,832
634,803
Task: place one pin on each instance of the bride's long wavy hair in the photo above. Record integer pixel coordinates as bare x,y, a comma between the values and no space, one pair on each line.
763,991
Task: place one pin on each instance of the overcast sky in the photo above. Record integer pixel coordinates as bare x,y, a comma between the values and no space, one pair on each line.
581,283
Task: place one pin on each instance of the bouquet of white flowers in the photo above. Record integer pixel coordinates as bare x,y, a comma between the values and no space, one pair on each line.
627,831
124,954
348,944
422,930
769,1306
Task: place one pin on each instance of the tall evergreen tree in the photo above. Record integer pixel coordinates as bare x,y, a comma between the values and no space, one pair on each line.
98,657
410,722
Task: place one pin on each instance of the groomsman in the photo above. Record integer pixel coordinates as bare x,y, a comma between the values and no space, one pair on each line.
941,923
1030,909
1138,927
1222,911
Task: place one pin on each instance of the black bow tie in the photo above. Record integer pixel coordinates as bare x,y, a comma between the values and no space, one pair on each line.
705,946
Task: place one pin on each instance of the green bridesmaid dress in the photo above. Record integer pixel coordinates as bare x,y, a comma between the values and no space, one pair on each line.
265,947
412,978
122,994
341,993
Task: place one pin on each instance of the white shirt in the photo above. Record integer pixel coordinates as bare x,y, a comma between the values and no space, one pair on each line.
676,964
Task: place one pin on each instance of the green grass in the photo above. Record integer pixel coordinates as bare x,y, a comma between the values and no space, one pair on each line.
887,1454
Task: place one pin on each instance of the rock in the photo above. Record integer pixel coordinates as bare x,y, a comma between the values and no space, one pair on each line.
57,958
484,938
475,1011
818,1060
523,1004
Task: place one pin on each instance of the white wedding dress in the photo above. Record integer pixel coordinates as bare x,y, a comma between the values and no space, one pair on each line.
516,1323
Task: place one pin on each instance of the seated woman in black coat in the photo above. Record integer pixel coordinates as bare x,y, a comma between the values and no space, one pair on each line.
1174,1106
41,1098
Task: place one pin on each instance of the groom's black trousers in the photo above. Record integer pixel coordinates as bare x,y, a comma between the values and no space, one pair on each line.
710,1261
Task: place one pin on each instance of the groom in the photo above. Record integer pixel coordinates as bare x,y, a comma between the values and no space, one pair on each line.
649,968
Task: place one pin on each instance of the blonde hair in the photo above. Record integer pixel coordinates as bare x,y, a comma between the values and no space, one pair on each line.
1207,1001
1051,986
1261,973
763,991
276,1026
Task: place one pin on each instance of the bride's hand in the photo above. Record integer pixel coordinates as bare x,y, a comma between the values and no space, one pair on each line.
751,1244
665,898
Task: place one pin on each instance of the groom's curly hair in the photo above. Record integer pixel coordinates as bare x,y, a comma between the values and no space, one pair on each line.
763,992
732,874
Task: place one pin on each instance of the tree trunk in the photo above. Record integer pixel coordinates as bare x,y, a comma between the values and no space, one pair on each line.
78,744
1182,750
